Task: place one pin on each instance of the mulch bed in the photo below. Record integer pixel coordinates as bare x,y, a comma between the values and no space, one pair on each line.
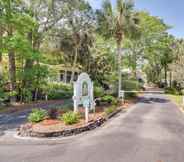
55,128
57,125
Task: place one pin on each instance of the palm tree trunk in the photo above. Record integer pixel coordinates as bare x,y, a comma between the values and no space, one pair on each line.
170,79
119,67
165,71
74,65
1,68
135,64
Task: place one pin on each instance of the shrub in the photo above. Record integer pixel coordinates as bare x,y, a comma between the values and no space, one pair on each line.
26,94
130,95
53,113
173,91
110,110
70,118
59,91
98,92
109,99
65,107
3,96
130,85
37,115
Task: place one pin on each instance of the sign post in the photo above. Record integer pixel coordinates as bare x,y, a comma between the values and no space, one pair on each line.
83,94
122,95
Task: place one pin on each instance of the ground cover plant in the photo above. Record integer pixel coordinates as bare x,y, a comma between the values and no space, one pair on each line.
37,115
70,118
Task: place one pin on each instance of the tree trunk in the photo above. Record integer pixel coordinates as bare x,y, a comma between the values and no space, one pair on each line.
165,71
170,79
119,67
35,43
74,64
12,69
28,64
1,66
12,74
135,64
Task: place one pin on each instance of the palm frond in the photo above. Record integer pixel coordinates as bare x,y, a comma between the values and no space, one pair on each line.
107,8
120,5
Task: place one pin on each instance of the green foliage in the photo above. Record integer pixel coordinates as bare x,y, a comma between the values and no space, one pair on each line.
3,95
83,42
98,92
157,45
66,106
109,99
117,22
37,115
59,91
178,99
173,91
32,80
26,94
129,85
110,110
70,118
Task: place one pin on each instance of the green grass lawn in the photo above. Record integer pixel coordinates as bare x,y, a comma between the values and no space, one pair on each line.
176,99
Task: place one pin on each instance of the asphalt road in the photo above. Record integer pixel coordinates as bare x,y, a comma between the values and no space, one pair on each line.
10,121
151,131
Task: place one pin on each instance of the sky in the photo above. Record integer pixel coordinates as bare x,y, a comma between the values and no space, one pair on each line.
171,11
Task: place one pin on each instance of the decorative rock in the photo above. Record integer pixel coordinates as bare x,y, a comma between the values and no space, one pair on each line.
25,130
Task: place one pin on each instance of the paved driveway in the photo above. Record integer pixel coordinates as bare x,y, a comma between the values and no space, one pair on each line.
152,131
10,121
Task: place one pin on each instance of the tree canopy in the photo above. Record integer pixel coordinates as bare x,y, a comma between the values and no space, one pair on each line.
36,35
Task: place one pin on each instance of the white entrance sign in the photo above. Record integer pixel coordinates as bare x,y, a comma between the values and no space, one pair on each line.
122,95
83,94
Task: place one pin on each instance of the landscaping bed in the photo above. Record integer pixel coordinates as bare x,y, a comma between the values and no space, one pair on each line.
58,127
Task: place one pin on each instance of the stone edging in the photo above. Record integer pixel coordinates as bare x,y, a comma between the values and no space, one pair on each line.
26,130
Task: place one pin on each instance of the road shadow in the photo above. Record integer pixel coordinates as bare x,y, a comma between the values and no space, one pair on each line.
150,100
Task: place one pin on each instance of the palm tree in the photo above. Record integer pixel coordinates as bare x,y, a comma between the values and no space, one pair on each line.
118,23
1,35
